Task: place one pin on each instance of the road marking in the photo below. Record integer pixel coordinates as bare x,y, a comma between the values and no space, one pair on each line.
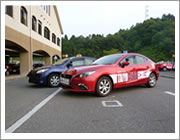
18,123
113,103
170,93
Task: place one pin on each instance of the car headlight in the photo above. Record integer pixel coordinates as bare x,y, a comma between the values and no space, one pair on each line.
86,74
41,71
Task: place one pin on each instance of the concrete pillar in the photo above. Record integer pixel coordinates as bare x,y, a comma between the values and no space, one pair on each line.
25,62
48,60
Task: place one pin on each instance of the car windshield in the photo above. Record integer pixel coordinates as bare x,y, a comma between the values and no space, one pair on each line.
62,61
107,60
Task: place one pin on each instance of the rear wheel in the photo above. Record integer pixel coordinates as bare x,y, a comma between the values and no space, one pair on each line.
151,80
103,86
164,69
54,80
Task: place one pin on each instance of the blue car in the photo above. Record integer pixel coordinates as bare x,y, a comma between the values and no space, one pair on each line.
49,75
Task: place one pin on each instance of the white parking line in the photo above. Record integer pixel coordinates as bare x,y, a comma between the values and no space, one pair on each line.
18,123
170,93
113,103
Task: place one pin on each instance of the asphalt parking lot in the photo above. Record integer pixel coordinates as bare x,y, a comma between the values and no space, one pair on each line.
36,109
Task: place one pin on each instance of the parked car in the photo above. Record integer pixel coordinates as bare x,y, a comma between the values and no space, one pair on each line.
7,69
111,71
49,75
165,66
15,68
12,68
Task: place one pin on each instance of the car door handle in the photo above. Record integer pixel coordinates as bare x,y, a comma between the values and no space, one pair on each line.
134,68
147,67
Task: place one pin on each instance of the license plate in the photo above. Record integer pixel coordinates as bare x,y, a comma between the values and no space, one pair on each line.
64,81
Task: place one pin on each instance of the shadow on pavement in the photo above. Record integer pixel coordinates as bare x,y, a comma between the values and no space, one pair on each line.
113,92
36,86
77,94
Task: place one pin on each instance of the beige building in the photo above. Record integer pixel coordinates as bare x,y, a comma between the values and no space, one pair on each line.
32,31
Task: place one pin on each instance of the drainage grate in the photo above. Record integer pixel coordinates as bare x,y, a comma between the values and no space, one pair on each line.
112,103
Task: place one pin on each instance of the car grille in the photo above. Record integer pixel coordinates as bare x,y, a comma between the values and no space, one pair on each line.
67,77
34,77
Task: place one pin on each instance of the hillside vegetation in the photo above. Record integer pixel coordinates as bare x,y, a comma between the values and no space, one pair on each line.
154,38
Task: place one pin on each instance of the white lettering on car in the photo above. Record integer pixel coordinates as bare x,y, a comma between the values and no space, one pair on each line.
143,74
118,78
114,78
132,76
123,77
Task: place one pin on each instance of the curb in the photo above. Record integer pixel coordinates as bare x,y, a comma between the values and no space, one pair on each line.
14,77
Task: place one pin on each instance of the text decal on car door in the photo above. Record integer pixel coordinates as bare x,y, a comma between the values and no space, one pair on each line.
122,77
143,74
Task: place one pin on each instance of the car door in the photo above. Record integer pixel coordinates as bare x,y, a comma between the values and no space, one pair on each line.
142,68
126,75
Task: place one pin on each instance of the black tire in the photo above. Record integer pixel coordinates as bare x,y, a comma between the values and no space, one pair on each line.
152,80
103,86
54,80
164,69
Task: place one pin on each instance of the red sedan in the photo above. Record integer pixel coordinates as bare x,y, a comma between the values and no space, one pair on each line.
166,66
111,71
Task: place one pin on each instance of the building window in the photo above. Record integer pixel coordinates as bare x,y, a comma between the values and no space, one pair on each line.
58,41
46,33
23,16
39,27
9,10
54,38
46,9
34,23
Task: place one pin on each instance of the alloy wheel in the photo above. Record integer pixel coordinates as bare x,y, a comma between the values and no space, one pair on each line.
152,80
103,86
54,80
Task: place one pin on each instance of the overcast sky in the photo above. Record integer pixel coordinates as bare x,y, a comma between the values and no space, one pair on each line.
107,17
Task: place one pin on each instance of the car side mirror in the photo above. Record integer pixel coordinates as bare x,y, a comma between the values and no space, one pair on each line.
125,63
69,65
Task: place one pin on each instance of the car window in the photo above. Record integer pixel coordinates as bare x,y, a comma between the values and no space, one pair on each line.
62,61
77,62
168,63
131,60
107,60
140,60
88,61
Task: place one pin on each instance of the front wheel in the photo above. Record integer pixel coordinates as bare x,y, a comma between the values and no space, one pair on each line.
103,86
54,80
151,80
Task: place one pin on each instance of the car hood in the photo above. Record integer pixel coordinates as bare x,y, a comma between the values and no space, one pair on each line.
82,69
48,67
